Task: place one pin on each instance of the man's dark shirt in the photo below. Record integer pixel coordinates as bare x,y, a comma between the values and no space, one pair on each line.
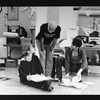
48,37
32,67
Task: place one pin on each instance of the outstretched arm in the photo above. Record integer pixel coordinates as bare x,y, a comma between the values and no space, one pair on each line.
40,44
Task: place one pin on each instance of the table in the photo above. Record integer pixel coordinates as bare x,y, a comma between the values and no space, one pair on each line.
10,48
91,51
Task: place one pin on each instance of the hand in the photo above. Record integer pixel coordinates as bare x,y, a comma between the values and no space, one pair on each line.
42,74
42,52
51,49
78,75
62,55
79,72
28,77
76,78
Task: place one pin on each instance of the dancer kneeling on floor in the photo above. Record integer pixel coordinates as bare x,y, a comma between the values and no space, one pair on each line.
74,60
30,65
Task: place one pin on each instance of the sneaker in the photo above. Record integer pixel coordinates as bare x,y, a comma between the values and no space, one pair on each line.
80,81
49,88
49,82
55,79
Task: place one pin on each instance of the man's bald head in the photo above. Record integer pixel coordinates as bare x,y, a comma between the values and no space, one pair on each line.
52,25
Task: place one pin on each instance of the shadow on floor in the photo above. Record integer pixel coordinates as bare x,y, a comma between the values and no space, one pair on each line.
4,79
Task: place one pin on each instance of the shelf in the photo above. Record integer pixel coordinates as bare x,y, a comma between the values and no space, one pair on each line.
9,51
98,64
12,45
5,58
9,60
91,48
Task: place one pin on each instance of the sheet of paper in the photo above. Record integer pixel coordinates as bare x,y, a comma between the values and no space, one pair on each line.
10,34
39,78
76,79
88,83
78,85
65,82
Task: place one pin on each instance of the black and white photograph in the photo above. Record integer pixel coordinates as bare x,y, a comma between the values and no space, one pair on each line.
50,50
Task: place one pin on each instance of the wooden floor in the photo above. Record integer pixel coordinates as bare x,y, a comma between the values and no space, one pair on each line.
10,85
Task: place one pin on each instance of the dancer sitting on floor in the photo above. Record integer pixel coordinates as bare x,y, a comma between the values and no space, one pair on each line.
30,65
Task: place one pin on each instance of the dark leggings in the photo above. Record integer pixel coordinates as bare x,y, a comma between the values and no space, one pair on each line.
39,85
72,68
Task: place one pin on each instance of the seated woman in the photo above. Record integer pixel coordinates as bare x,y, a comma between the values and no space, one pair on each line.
74,60
31,65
